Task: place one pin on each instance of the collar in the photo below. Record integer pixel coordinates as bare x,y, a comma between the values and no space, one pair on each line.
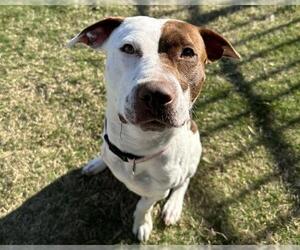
128,157
124,156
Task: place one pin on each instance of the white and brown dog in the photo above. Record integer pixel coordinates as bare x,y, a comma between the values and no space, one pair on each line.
154,73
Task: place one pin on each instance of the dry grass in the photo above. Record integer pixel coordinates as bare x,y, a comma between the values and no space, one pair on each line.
246,190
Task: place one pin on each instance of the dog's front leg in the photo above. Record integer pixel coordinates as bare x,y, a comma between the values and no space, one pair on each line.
94,166
173,207
142,225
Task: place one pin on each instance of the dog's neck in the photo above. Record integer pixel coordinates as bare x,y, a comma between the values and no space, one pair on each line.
132,139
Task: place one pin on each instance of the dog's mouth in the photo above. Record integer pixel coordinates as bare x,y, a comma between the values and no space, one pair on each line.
154,125
158,125
151,124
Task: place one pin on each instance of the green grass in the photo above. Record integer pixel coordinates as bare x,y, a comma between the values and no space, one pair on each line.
247,187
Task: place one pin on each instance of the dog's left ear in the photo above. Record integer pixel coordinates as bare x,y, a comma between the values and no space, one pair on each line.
96,34
217,46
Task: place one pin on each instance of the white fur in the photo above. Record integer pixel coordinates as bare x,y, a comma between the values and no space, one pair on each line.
169,172
95,166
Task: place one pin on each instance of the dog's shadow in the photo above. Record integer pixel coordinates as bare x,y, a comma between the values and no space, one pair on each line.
74,209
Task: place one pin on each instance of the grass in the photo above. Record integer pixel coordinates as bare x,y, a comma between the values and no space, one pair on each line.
247,187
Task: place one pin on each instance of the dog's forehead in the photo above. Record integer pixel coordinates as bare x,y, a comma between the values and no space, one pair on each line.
141,30
148,30
143,23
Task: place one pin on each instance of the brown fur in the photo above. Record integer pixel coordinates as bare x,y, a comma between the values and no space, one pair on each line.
189,71
193,127
216,45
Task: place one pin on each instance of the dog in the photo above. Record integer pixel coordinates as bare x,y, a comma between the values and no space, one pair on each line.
154,74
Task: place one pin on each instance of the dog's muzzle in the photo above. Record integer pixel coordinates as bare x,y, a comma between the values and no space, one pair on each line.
154,105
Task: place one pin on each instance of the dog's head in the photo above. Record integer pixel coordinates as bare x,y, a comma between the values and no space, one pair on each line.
155,67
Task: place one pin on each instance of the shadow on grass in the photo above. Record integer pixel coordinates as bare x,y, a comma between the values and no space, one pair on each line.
283,154
267,31
230,74
198,18
143,10
214,212
262,53
74,209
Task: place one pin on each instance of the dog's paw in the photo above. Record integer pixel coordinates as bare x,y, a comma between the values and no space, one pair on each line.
142,231
95,166
172,211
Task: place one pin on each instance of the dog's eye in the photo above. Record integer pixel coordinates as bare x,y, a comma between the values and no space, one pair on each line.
187,52
128,49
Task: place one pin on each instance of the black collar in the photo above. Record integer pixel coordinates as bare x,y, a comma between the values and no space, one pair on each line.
122,155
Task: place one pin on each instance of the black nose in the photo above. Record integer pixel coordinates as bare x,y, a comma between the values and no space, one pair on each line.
155,95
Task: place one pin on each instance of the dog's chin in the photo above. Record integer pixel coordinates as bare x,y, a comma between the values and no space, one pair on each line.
154,125
158,125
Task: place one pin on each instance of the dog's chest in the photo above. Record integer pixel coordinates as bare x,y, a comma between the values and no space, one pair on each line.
153,177
156,176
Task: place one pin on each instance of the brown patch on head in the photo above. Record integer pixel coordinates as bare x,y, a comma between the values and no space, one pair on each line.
182,51
202,45
193,127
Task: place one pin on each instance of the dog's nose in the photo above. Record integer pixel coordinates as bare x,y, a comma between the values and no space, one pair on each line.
155,95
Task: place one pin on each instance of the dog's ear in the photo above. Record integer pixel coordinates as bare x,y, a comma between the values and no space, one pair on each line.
217,46
96,34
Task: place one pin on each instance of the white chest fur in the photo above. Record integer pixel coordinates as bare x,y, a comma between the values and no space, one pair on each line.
159,174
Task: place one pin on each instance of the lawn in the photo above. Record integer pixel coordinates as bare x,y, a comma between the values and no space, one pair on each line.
247,187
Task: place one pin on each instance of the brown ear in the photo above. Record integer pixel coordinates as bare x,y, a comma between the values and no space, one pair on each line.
217,46
96,34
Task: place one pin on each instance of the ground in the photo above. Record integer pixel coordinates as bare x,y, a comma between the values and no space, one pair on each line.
247,187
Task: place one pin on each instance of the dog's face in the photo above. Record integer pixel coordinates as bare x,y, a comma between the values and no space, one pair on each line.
155,67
